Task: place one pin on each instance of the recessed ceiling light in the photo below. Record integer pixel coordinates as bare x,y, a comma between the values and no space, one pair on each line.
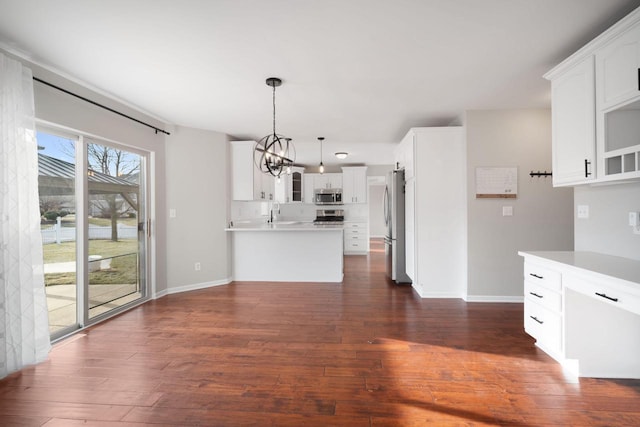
341,155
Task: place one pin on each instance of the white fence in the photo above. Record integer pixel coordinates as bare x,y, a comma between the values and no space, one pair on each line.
57,234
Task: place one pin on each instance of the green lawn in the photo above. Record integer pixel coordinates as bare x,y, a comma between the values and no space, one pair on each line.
66,251
123,269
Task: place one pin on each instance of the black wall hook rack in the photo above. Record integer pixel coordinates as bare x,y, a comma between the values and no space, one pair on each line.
539,174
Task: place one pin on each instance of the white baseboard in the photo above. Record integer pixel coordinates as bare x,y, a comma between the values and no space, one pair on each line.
493,298
192,287
436,295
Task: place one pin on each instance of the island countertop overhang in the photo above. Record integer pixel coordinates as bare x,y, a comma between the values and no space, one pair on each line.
285,226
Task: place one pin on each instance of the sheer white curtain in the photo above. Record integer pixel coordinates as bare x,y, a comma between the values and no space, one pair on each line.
24,323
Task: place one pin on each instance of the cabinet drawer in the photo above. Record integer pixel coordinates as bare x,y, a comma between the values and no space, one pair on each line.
348,232
543,276
355,226
355,246
542,295
544,325
606,294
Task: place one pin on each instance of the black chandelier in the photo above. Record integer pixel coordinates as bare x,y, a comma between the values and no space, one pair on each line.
274,153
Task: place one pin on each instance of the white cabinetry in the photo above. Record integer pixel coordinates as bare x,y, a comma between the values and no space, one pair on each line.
435,222
264,186
573,121
247,182
354,182
583,309
617,66
404,155
327,180
308,186
242,170
289,188
543,307
618,107
356,238
614,107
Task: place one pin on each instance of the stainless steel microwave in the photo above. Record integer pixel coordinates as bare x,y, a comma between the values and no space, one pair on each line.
327,196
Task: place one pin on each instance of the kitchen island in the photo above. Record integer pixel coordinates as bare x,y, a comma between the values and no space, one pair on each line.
287,251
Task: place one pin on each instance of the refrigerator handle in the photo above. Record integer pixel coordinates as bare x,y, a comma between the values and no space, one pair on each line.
385,201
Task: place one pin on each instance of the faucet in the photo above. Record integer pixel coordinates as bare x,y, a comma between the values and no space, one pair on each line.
272,217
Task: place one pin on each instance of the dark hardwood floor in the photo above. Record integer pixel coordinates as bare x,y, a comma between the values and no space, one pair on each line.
360,353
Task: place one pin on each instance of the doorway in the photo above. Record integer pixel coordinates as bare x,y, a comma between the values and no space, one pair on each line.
93,198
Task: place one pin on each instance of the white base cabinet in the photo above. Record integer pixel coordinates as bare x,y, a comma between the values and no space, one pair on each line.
356,238
543,307
583,309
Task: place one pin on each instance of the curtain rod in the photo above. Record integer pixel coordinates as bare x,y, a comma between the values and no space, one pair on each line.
101,106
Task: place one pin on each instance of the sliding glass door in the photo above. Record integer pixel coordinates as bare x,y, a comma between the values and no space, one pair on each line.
94,228
115,227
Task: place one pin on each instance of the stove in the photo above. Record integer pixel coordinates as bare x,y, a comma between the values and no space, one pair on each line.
329,217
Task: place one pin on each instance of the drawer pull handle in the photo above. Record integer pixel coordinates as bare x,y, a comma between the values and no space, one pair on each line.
536,276
607,297
536,295
536,319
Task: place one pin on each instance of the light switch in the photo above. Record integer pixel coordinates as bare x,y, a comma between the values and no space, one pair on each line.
583,211
507,211
172,213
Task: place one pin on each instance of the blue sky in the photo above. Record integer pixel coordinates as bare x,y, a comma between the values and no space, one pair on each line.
56,146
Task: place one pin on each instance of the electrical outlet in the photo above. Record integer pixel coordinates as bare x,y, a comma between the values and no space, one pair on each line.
197,266
583,211
507,211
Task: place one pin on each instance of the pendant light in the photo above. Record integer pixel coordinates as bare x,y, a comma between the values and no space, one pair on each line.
274,153
321,138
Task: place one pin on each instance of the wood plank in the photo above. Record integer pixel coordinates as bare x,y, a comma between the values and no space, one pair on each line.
364,352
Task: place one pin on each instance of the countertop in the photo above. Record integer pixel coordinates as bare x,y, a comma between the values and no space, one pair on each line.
284,226
607,265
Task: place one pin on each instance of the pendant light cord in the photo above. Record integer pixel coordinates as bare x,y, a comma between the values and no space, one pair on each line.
274,109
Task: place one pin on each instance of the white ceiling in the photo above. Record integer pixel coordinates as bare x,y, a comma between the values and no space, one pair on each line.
358,72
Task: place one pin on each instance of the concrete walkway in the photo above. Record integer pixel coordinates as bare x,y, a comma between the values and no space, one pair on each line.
61,301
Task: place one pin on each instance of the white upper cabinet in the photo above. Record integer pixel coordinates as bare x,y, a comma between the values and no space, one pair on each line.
596,103
308,186
573,124
354,184
618,68
247,182
289,187
242,170
328,180
618,106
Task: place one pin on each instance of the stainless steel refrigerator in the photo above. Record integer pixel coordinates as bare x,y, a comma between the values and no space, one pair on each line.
394,240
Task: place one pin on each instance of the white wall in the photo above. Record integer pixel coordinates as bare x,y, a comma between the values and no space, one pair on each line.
542,215
197,188
607,230
376,211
